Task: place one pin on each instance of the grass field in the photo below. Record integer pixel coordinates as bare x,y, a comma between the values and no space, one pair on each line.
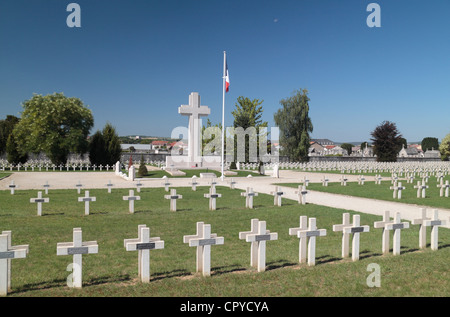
113,271
382,192
4,174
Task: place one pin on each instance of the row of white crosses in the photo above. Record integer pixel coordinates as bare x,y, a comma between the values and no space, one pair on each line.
307,233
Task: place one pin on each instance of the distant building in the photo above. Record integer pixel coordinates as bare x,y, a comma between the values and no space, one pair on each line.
410,151
315,149
323,142
159,144
432,153
139,148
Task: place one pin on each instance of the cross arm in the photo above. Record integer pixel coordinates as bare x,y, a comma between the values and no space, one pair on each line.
356,229
202,241
313,233
261,237
186,239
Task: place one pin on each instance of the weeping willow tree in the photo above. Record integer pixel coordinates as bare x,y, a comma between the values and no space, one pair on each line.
295,125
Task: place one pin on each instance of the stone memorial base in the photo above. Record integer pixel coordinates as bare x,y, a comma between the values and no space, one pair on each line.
207,175
185,162
175,172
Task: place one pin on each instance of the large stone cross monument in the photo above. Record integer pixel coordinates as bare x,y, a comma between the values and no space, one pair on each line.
194,157
195,112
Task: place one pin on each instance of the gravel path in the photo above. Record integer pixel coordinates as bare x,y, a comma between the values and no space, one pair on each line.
68,180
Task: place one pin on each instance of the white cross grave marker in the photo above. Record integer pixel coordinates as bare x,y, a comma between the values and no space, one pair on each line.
361,180
203,241
378,179
277,196
77,248
356,229
143,244
258,240
385,236
422,229
166,183
109,185
249,194
194,183
12,187
131,198
232,183
173,199
434,224
397,226
138,186
310,233
443,187
7,253
46,187
254,244
305,181
325,181
39,200
301,194
345,236
421,188
344,180
78,186
86,199
212,197
302,242
397,190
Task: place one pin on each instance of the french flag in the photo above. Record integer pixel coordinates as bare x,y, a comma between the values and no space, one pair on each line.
227,78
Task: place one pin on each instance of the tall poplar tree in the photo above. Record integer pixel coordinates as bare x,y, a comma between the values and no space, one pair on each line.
295,125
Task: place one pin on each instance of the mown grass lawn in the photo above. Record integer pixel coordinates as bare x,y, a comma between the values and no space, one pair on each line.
113,271
383,192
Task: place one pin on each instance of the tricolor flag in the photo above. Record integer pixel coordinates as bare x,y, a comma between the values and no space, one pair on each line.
227,78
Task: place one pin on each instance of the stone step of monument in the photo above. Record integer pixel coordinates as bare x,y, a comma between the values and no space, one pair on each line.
175,172
207,175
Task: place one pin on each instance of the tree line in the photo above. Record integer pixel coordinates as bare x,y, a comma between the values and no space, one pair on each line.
57,125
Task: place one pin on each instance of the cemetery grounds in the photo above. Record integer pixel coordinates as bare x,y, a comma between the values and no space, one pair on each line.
114,272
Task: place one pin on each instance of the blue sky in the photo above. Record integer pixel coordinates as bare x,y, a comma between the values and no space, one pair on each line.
134,62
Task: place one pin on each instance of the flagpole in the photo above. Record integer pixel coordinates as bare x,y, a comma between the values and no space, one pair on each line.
223,112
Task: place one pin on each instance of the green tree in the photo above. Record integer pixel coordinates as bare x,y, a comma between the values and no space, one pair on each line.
295,125
142,171
364,145
248,114
12,154
104,146
444,148
6,128
112,144
403,142
387,142
55,125
348,147
97,149
429,143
